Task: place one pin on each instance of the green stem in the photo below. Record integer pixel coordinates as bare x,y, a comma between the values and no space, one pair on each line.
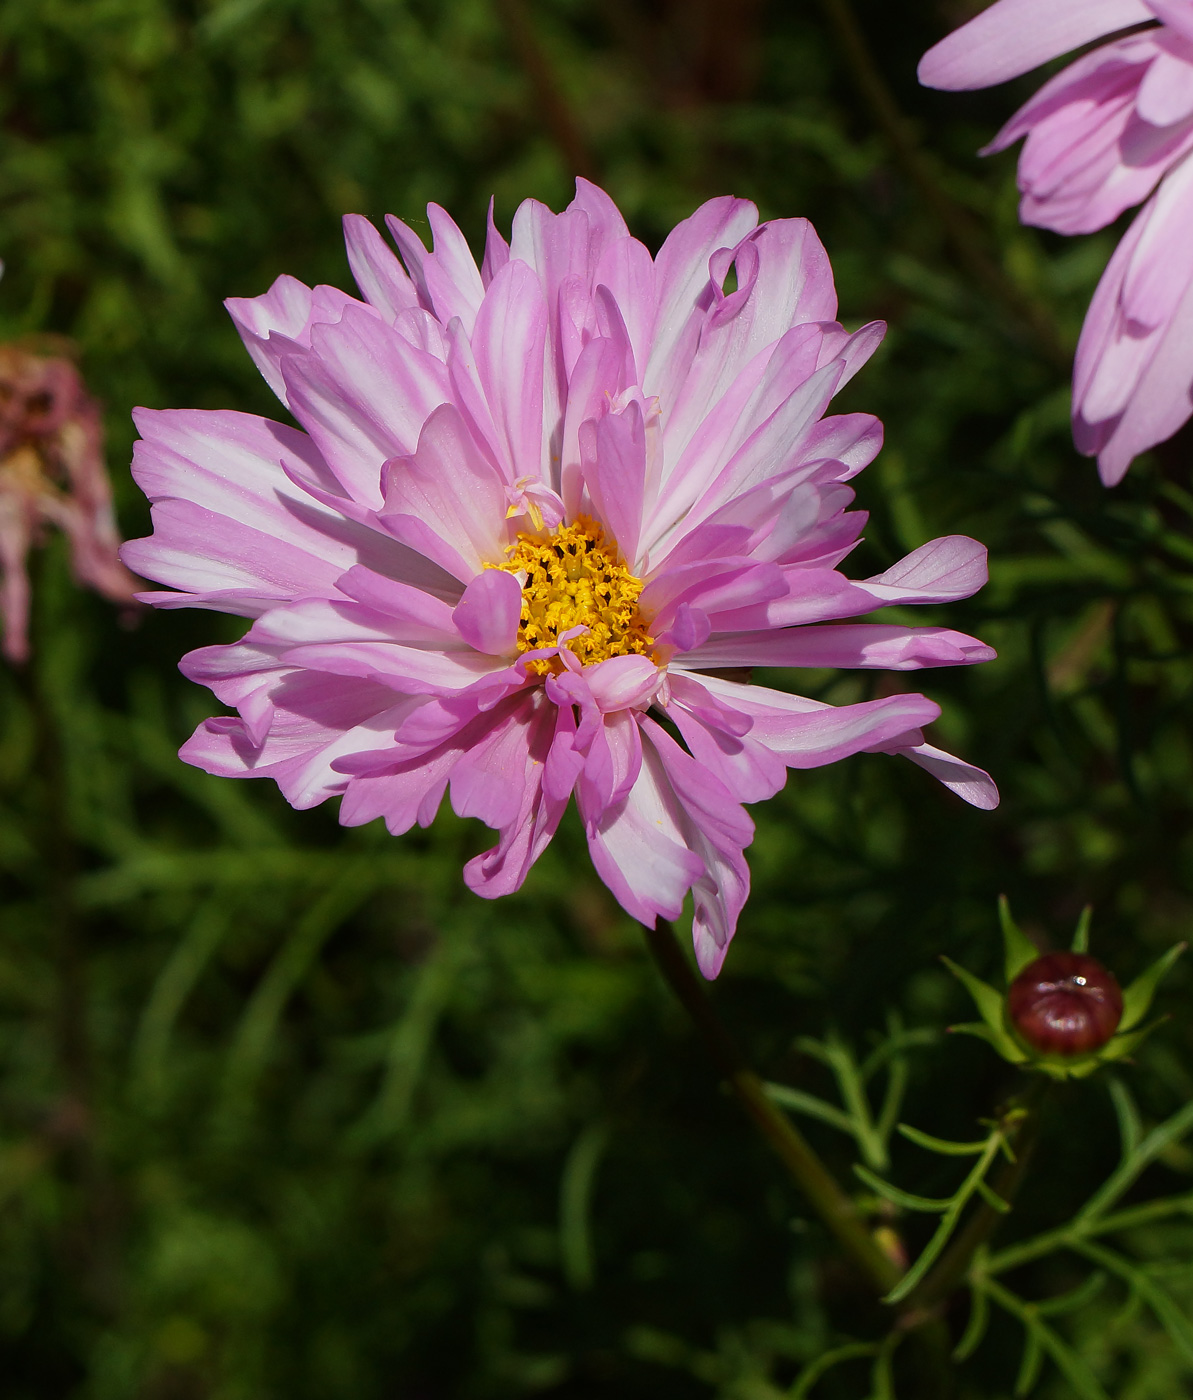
558,116
961,229
819,1187
954,1263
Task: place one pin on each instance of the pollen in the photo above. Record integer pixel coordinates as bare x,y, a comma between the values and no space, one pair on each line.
574,577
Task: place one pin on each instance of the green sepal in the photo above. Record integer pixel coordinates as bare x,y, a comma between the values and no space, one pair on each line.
986,999
1118,1047
1000,1040
1138,996
1020,950
1080,942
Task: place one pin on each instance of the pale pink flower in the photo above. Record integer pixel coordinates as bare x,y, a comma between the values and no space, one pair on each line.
51,473
1100,136
542,518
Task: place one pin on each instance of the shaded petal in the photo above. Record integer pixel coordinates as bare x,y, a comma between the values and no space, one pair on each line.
313,720
613,453
1133,371
717,830
612,762
639,849
972,784
497,250
447,500
489,612
1166,93
519,758
1177,14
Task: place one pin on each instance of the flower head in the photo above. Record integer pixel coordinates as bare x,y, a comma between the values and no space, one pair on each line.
51,473
1062,1014
1100,136
1065,1004
538,512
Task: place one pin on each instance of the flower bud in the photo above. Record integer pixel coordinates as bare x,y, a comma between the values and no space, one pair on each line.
1065,1004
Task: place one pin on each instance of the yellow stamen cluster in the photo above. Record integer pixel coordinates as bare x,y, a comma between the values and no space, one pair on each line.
574,578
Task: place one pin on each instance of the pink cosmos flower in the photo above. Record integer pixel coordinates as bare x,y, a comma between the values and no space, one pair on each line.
1100,136
51,473
541,519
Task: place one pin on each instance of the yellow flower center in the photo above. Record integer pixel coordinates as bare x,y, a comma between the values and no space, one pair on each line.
574,578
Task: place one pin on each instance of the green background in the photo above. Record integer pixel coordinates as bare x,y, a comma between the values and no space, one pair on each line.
284,1110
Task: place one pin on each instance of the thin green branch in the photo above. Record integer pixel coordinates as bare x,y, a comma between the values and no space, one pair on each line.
948,1223
1076,1371
1132,1166
955,1260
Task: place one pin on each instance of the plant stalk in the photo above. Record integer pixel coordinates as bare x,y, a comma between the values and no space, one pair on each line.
819,1187
561,123
961,229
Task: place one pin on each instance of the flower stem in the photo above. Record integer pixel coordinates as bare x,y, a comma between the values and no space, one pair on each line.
819,1187
960,227
558,115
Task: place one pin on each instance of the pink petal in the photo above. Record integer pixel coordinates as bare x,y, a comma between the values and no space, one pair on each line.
684,289
597,378
229,478
941,571
363,394
1133,372
793,284
1015,36
508,341
1176,14
15,596
972,784
611,764
622,682
379,275
497,250
809,734
452,277
866,645
628,271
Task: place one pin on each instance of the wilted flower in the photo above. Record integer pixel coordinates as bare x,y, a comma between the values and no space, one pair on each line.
543,515
51,473
1100,135
1063,1013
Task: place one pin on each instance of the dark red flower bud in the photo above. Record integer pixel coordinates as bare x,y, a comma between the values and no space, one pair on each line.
1065,1004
